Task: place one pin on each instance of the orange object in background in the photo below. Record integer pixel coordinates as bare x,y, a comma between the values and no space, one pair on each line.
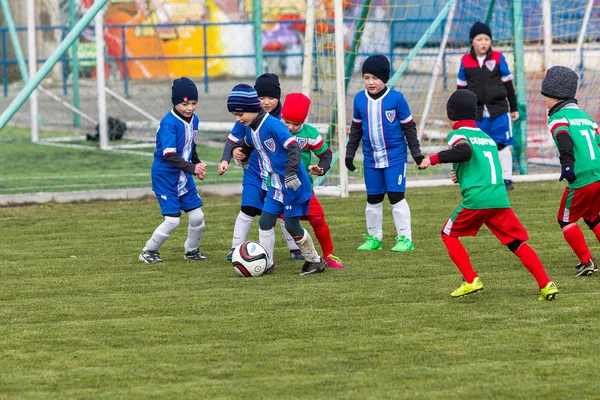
139,42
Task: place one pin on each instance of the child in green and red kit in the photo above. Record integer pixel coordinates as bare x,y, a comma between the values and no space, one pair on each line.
476,167
293,114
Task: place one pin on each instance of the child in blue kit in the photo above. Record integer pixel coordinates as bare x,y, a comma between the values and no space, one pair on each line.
382,120
289,189
254,188
175,163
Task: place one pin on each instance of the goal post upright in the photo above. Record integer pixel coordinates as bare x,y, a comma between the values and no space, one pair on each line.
341,93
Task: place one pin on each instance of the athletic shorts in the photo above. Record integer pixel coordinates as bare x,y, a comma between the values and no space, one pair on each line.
253,196
385,180
273,206
172,205
583,202
499,128
501,221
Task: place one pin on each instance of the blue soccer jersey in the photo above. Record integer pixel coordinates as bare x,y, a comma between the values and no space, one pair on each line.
254,174
383,141
174,135
270,141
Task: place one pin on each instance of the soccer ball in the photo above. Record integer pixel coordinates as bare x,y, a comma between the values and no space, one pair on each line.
250,259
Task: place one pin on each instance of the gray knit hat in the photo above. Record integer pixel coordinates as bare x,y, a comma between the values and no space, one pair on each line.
560,83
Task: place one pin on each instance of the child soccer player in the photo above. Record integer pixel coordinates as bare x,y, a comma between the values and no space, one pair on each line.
383,121
289,187
485,73
253,189
293,114
175,161
576,135
476,167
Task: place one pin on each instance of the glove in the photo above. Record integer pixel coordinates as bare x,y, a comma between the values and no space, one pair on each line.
350,163
418,157
292,182
568,173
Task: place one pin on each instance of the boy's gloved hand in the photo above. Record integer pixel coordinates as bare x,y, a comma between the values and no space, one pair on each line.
418,157
568,173
292,182
350,163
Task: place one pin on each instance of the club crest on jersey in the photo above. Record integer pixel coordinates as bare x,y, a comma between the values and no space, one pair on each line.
302,142
390,115
270,144
490,64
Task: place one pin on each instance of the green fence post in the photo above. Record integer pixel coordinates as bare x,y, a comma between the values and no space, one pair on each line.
75,64
520,125
257,18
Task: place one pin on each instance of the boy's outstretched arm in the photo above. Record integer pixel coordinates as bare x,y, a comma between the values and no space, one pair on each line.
566,156
461,152
352,145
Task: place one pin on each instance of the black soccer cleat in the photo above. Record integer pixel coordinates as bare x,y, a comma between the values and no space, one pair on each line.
509,185
586,269
195,255
312,268
296,255
150,257
230,255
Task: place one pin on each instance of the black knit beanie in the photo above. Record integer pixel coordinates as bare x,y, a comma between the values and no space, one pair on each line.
377,65
267,85
479,28
183,90
462,105
560,83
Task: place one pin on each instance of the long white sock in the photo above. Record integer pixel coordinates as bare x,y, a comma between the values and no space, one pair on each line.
506,161
195,229
374,215
401,214
307,247
162,233
242,226
291,243
267,240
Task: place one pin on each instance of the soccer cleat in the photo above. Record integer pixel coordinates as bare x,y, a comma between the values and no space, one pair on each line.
333,262
586,269
269,270
296,255
150,257
403,244
230,254
548,292
468,288
372,243
194,255
312,268
509,185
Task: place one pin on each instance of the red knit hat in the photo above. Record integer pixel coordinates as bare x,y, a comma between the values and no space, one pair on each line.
295,108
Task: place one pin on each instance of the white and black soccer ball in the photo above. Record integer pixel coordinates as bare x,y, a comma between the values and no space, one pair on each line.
250,259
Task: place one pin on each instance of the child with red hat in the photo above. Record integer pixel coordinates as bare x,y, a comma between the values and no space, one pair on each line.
293,114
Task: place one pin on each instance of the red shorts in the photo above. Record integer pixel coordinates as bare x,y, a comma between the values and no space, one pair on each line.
314,209
581,202
501,221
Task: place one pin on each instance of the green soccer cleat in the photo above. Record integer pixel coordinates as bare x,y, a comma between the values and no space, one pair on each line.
372,243
548,292
468,288
403,244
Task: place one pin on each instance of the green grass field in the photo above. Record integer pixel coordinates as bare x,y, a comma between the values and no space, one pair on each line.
81,317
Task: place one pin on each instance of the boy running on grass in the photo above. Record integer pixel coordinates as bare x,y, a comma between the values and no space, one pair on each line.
576,135
476,168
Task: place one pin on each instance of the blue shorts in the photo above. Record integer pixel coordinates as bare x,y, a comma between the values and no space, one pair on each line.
253,196
273,206
172,205
385,180
499,128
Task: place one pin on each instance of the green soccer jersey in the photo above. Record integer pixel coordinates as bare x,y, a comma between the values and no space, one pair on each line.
480,178
584,133
310,141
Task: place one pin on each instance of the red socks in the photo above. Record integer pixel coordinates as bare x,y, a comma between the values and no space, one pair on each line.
575,239
532,262
322,233
460,257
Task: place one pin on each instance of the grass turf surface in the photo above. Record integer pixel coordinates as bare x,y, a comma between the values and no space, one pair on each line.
81,317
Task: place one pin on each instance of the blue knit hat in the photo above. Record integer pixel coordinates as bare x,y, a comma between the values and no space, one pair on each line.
243,98
377,65
183,90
